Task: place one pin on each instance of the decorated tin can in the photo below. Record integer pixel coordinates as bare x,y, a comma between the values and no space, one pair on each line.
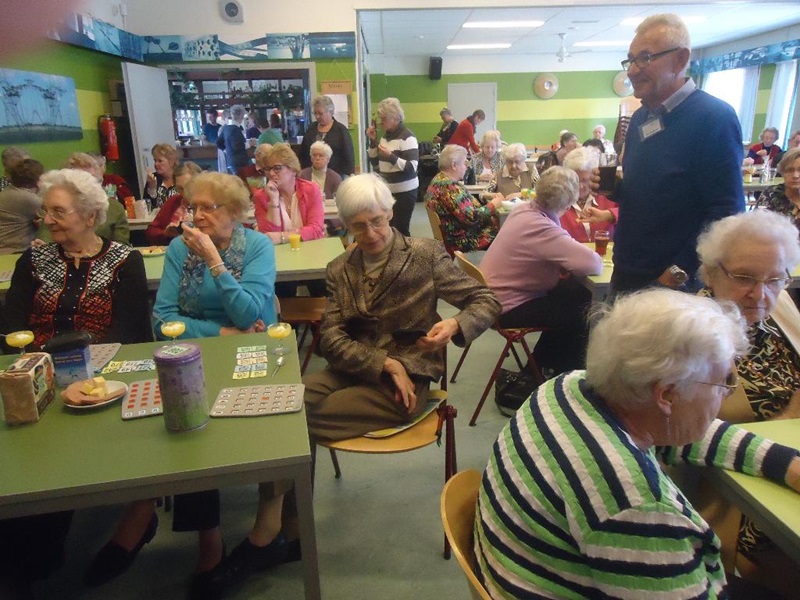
183,388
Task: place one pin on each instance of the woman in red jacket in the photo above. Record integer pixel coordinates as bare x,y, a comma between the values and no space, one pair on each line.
464,135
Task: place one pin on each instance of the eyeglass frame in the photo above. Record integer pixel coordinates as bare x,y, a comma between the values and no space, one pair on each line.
277,168
730,385
43,212
192,208
741,280
373,224
646,58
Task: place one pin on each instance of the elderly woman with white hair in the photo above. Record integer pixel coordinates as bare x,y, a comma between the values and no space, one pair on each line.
81,280
386,284
766,150
747,259
320,171
327,129
516,175
525,267
599,134
574,502
467,223
784,198
395,157
487,163
591,212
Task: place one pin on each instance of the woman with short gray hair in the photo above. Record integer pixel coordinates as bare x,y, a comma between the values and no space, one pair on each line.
487,163
320,172
578,468
395,157
524,268
766,150
466,223
326,128
516,174
784,198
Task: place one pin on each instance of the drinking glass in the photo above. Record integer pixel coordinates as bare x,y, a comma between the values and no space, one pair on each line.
279,331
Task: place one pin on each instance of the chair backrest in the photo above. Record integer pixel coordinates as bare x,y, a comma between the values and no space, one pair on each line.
459,497
436,224
469,268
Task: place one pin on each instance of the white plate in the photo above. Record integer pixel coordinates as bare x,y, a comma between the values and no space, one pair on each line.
116,390
149,253
512,204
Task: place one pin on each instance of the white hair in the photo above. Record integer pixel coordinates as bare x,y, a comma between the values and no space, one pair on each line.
660,336
582,159
721,237
676,35
390,107
451,154
366,192
321,146
514,152
237,112
325,103
601,127
557,189
87,194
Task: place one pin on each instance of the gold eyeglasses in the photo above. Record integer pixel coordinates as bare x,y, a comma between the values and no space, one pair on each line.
57,214
360,227
748,283
730,385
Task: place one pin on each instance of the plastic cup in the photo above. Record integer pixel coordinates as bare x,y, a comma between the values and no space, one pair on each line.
294,241
601,242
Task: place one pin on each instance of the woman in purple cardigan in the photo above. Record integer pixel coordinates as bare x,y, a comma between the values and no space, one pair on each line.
528,267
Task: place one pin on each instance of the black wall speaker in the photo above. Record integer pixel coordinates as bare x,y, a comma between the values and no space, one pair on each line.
435,67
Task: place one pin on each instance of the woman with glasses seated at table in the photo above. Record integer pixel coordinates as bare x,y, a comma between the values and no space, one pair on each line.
386,283
78,282
487,163
784,198
467,224
218,279
168,222
574,502
515,176
529,267
590,212
747,259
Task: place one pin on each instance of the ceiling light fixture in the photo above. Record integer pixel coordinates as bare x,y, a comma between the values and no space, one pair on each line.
478,46
689,20
501,24
599,44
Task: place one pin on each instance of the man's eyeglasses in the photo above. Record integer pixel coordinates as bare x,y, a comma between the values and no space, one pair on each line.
193,209
57,214
746,283
730,385
360,228
645,58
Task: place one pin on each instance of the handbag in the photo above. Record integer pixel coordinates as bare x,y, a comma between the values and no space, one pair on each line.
512,389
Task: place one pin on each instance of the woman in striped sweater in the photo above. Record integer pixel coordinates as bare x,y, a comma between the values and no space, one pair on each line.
574,503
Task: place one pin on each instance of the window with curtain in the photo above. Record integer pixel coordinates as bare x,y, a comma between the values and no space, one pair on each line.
737,87
782,98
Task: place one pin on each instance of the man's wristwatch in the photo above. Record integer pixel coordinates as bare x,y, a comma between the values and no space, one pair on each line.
679,276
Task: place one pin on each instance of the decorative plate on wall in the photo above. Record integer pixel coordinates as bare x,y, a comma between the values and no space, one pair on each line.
545,85
622,85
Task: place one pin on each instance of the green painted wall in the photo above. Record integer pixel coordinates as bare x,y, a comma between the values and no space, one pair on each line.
337,70
91,72
584,99
766,78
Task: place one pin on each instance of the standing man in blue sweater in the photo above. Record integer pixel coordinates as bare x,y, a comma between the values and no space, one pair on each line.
681,163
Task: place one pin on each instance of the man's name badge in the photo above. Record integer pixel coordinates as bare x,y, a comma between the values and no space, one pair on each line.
650,128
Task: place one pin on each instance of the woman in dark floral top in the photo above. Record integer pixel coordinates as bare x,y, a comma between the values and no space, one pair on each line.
784,198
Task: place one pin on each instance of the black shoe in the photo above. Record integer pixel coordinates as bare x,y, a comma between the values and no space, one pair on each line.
113,560
210,585
248,558
293,551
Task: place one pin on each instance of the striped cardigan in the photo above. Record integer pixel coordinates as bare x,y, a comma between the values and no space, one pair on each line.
569,507
399,173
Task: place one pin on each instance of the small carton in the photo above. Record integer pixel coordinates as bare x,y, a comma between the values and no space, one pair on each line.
27,388
71,357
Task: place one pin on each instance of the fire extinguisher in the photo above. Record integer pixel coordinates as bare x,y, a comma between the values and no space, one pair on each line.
108,137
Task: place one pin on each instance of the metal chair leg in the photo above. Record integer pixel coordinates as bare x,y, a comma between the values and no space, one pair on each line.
460,362
335,460
488,387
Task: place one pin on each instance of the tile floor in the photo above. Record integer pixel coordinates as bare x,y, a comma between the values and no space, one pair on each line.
378,529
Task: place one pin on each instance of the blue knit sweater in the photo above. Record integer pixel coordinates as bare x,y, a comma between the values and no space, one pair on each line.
675,183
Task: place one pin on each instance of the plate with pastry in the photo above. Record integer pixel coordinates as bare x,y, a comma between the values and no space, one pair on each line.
93,393
151,251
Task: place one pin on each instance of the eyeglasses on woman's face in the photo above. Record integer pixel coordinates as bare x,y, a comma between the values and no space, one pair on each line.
747,283
57,214
730,385
193,209
276,168
361,227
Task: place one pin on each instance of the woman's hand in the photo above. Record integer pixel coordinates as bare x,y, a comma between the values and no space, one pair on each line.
257,327
594,182
384,153
404,388
762,152
273,193
497,201
372,133
485,176
513,195
438,336
200,244
151,180
590,214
